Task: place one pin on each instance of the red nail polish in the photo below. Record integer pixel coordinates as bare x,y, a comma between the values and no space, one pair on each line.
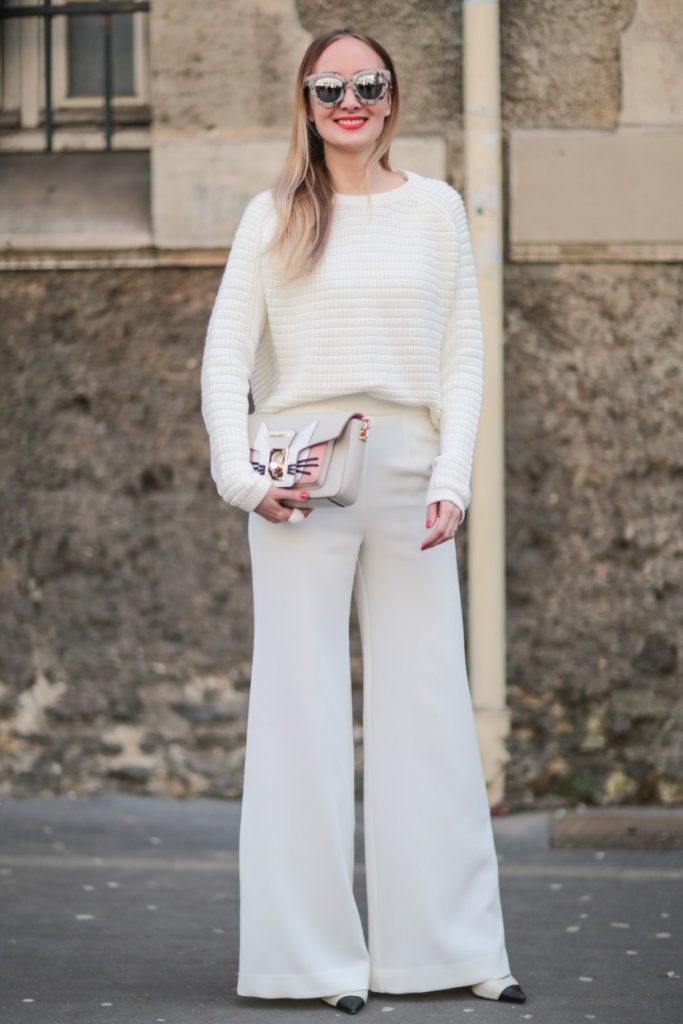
303,495
429,523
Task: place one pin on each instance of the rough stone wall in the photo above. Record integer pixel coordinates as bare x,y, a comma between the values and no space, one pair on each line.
595,555
560,62
228,65
126,645
125,578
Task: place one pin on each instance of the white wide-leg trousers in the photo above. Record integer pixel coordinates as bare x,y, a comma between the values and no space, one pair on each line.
434,911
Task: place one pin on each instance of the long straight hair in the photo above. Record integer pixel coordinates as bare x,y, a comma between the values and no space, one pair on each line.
303,194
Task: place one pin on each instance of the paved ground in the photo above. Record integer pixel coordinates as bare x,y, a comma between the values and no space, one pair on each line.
123,910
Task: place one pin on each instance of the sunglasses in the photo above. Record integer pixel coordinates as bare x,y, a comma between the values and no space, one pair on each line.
329,89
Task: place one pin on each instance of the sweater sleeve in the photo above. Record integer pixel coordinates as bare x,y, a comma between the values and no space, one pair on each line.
235,327
461,376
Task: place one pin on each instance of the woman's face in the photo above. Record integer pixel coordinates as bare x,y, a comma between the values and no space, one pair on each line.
352,126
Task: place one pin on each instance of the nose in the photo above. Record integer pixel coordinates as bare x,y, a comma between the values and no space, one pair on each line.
350,100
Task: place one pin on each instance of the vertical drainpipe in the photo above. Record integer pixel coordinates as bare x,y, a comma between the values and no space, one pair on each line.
486,528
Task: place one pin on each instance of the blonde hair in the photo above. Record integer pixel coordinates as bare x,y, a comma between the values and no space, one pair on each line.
303,194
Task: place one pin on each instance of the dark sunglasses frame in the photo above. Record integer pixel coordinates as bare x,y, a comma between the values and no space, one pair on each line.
311,81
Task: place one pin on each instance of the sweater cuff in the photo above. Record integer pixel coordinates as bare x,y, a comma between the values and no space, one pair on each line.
436,493
247,492
449,497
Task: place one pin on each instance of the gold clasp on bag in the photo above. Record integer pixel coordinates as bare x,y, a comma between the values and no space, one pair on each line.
278,459
365,425
278,463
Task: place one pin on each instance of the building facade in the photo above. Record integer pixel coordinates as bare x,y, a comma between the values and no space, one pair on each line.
127,638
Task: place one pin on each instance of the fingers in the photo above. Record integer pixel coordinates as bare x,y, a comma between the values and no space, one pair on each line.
447,519
445,516
272,509
298,514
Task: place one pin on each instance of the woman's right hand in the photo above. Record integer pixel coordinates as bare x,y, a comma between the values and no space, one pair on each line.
272,509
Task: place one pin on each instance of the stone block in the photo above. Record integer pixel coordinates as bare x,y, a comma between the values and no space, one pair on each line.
74,200
652,65
201,184
227,65
583,193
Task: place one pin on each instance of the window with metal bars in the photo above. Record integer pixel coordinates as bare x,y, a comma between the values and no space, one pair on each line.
74,75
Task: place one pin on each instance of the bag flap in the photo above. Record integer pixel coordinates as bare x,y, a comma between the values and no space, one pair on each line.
327,425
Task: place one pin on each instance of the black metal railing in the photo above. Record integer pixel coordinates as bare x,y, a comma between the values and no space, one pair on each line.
47,12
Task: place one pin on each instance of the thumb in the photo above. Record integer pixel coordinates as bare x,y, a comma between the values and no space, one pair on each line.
432,513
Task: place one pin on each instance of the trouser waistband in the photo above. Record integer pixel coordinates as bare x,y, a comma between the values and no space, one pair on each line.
358,401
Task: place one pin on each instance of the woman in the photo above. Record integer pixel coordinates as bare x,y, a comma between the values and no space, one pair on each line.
351,286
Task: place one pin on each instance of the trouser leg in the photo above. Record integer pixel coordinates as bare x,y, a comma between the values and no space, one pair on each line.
434,911
300,930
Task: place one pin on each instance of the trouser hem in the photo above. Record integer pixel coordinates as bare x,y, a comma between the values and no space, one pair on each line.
396,980
304,986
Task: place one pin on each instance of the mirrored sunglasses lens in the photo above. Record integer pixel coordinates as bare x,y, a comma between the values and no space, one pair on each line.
370,87
328,90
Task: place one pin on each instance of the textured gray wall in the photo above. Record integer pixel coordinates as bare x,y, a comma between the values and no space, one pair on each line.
124,657
595,560
126,578
560,62
203,66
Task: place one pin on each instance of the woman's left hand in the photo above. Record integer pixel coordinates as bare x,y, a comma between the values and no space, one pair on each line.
446,517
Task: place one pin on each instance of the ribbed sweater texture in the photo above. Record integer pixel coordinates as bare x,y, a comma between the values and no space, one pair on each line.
392,309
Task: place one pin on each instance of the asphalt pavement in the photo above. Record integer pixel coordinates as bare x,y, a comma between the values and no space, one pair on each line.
124,910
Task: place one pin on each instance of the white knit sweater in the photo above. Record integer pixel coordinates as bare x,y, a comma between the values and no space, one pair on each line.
392,309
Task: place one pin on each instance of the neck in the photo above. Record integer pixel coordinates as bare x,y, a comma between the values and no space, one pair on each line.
347,170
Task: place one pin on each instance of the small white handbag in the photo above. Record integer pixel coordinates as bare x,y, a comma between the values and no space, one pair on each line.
324,453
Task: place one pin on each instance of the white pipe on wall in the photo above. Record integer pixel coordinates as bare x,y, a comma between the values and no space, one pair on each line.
486,522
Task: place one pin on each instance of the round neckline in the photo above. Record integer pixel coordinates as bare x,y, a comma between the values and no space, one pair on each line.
357,199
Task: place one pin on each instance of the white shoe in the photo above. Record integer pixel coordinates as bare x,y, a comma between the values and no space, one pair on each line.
506,989
349,1002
